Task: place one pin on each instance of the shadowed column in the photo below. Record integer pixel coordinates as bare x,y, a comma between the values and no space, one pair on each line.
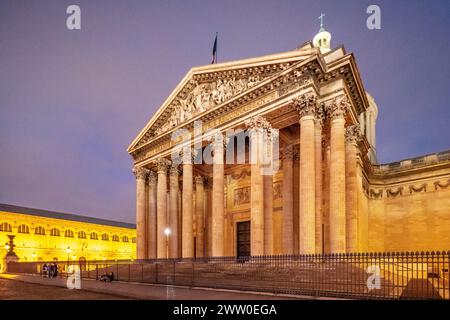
199,215
141,177
318,169
151,221
288,208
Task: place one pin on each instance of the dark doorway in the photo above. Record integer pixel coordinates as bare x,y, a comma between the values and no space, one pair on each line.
243,239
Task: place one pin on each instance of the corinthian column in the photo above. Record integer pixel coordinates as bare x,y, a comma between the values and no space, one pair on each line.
173,211
199,215
318,168
337,174
306,106
217,215
161,200
151,221
188,221
257,125
288,205
141,177
352,136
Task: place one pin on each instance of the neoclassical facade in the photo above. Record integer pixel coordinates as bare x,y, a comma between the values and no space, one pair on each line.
327,194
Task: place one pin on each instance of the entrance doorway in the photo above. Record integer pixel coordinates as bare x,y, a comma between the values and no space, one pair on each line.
243,239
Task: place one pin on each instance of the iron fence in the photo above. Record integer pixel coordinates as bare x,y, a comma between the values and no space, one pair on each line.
386,275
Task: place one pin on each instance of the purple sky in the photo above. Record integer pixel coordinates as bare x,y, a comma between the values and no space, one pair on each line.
72,101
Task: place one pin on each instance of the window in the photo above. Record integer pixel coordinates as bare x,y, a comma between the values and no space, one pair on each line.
94,236
105,237
54,232
68,233
23,229
115,238
82,235
125,239
133,239
6,227
39,230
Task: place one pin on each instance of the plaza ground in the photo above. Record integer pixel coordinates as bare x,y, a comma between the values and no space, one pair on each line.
15,286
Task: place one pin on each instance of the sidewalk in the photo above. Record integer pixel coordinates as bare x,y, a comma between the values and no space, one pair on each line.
154,291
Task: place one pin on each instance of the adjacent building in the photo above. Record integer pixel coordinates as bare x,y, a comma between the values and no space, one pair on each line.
42,235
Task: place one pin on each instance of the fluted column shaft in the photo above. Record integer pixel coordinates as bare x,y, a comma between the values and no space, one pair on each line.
173,212
217,215
288,205
268,214
351,208
141,247
199,216
188,221
337,178
151,220
318,178
307,190
161,208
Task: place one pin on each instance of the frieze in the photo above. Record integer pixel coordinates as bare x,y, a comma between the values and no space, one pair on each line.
392,193
421,188
441,185
376,194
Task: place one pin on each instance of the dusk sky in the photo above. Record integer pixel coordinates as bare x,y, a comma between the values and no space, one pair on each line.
72,101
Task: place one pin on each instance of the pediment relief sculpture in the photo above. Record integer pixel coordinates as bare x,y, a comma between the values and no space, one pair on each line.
203,97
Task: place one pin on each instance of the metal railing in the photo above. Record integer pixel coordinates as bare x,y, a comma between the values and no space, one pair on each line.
401,275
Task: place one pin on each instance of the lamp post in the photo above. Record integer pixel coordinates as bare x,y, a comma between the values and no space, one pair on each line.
167,232
68,251
34,256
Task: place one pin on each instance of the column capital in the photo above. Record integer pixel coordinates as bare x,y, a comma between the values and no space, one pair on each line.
320,115
306,104
174,170
258,122
140,173
337,107
162,165
288,153
199,180
353,134
188,155
152,177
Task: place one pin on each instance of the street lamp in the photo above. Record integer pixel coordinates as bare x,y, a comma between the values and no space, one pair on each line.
7,246
68,251
34,255
167,232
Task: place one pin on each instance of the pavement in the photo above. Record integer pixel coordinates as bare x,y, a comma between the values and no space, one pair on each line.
92,289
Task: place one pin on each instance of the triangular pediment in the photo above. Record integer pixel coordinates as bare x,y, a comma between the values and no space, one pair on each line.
205,88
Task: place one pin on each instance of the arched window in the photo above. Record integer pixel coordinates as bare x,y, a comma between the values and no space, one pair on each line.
23,229
54,232
82,235
105,237
39,230
6,227
115,238
133,239
125,239
68,233
94,236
